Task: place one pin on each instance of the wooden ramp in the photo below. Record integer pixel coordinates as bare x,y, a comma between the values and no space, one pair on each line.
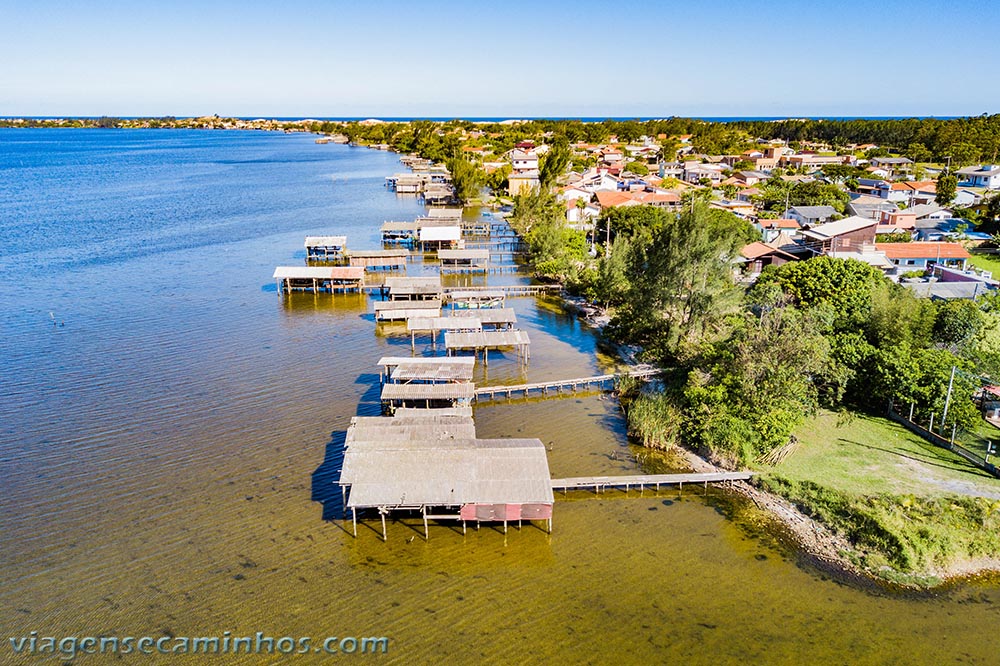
598,483
597,382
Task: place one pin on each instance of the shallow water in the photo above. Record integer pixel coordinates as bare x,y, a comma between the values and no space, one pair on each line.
169,427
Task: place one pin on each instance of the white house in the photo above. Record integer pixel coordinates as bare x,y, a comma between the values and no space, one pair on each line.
522,160
985,175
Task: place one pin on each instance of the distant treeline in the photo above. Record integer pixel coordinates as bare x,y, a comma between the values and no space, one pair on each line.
964,140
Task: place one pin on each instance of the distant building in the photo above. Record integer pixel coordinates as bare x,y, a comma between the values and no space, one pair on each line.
986,175
809,215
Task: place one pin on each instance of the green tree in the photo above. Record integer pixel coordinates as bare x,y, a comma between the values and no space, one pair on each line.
682,282
947,186
845,285
638,168
553,164
466,178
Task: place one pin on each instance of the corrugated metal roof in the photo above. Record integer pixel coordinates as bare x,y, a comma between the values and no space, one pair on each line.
441,411
489,315
326,241
319,272
459,340
446,391
443,233
447,473
426,306
443,324
440,372
464,254
390,361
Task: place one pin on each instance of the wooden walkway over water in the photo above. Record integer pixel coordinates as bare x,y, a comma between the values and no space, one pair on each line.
510,290
599,483
596,382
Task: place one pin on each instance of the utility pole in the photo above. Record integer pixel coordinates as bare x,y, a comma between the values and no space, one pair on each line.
947,400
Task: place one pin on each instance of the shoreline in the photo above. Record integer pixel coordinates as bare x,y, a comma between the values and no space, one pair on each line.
811,540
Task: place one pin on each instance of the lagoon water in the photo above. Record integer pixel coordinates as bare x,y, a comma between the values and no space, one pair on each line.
169,429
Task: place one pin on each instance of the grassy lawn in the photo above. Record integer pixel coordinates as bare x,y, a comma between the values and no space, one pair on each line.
976,441
986,263
864,455
913,511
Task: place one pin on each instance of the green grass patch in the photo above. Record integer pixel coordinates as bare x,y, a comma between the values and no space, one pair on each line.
908,506
861,454
903,533
987,263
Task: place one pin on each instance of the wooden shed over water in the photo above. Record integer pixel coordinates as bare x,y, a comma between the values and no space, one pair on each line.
325,247
378,258
477,298
490,318
414,288
455,341
471,261
445,478
388,364
440,237
319,278
396,310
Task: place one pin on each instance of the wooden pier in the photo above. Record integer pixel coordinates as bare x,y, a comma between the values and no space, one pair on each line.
510,290
597,382
641,481
319,278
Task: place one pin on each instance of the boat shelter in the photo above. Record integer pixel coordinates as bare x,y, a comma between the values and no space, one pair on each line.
440,237
472,261
426,394
414,288
399,232
377,258
446,478
325,247
433,325
396,310
456,341
388,364
477,298
319,278
490,318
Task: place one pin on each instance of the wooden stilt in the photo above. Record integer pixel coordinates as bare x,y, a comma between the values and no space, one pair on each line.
354,519
382,513
427,534
505,526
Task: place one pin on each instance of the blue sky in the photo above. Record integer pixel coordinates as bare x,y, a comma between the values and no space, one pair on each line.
511,59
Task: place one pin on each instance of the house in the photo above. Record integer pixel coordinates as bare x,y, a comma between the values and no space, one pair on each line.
871,207
966,197
919,255
581,217
813,161
694,172
984,175
894,165
757,255
612,157
866,254
740,208
850,233
771,229
660,199
751,177
520,183
523,161
810,215
929,211
899,219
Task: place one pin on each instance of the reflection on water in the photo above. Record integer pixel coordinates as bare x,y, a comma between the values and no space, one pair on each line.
170,434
